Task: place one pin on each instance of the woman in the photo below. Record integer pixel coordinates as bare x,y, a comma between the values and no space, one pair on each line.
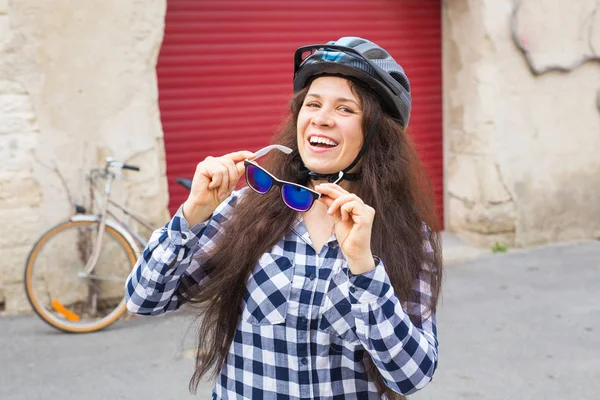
326,286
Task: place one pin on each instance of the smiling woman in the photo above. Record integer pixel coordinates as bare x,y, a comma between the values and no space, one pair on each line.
329,125
325,292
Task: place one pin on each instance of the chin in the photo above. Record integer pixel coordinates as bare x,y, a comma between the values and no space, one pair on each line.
324,170
322,165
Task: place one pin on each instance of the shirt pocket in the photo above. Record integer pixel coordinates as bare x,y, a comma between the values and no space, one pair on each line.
268,291
336,312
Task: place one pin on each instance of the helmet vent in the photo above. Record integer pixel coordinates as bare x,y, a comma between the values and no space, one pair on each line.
376,54
356,42
400,79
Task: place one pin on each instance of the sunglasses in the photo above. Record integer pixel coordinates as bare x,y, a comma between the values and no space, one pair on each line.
297,197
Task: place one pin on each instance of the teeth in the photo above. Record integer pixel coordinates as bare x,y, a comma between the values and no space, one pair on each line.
318,139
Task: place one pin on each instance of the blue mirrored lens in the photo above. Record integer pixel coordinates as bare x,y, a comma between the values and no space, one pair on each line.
296,197
258,179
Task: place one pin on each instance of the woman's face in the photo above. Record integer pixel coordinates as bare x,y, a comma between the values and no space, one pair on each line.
329,126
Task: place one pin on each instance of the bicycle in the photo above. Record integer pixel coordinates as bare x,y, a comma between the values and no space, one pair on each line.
76,272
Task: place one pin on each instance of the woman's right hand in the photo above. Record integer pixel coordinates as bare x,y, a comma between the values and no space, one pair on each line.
214,180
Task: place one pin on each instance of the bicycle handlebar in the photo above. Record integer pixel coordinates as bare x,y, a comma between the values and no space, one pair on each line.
110,162
186,183
131,167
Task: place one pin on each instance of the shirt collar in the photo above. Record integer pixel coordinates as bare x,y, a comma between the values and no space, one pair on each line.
300,229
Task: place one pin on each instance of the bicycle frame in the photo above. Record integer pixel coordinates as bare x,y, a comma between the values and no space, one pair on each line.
89,302
140,239
112,224
119,225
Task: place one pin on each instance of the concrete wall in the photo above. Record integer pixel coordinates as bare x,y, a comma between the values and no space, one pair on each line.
77,84
522,151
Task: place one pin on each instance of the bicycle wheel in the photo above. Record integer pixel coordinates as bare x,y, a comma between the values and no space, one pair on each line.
62,292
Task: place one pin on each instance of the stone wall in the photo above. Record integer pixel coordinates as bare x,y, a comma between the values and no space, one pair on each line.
522,151
77,84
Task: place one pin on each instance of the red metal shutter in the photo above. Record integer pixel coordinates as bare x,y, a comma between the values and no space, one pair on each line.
225,71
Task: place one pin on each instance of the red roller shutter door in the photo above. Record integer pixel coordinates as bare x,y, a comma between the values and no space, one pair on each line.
225,71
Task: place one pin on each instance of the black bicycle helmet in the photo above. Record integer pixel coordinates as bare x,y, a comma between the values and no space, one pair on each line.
359,59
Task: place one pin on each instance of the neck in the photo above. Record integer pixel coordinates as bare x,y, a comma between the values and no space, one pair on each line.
346,185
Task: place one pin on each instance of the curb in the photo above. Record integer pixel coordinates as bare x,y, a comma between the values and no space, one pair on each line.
455,250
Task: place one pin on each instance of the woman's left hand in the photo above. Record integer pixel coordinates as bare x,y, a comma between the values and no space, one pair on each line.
353,223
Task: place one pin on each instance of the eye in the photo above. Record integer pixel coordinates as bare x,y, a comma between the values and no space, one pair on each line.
345,109
312,104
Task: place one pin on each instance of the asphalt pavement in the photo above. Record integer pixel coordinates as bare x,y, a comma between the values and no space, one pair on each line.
519,325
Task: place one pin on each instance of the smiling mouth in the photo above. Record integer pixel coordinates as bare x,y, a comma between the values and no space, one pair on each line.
321,142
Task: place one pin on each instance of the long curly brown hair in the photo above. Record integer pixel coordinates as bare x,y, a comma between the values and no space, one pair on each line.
393,182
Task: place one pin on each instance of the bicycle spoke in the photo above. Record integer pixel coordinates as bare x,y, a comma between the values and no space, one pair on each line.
59,289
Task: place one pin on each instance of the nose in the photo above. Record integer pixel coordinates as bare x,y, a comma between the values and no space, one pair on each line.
323,118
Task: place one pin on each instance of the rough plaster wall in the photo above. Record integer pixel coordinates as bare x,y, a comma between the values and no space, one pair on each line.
479,204
552,160
523,152
77,84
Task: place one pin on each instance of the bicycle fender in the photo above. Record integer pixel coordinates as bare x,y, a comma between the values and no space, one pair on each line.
112,224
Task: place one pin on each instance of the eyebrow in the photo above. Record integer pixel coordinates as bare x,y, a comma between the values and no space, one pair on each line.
342,99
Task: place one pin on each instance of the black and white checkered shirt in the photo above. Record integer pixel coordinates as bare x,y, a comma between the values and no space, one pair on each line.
306,322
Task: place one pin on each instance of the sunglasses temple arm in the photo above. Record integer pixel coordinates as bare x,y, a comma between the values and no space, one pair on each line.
267,149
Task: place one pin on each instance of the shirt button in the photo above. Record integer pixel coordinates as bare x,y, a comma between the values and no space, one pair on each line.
149,291
304,361
184,236
312,277
352,289
302,321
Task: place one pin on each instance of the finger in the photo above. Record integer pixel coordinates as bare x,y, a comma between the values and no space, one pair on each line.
233,173
359,212
216,176
223,189
327,200
239,155
350,209
334,186
342,211
241,168
344,215
340,201
203,173
328,191
333,191
337,217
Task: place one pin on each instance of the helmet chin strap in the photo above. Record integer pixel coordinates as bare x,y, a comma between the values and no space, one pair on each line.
305,173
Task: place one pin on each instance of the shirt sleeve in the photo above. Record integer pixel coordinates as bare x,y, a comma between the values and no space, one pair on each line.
404,351
173,254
